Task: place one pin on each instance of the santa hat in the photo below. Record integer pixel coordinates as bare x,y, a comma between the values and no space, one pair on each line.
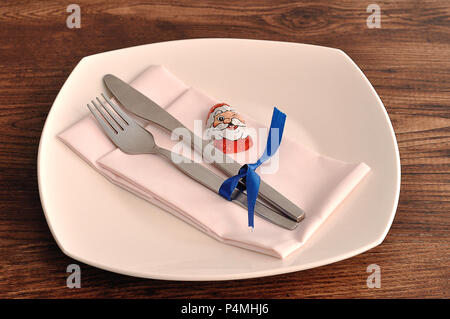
216,109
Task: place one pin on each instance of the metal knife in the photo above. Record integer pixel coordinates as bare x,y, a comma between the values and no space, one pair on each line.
137,103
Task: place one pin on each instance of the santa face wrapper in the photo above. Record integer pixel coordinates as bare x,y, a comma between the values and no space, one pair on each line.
227,129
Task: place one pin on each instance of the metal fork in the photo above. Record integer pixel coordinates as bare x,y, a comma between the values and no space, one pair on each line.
132,138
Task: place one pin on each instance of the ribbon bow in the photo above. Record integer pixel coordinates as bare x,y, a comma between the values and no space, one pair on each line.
247,172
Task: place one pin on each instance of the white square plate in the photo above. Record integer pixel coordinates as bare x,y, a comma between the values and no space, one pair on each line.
331,107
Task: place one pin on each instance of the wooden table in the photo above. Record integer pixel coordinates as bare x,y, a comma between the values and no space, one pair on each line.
407,60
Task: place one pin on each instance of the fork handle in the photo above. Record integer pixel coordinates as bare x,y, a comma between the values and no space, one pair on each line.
212,181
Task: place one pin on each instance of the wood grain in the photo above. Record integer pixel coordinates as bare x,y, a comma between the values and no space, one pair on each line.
407,60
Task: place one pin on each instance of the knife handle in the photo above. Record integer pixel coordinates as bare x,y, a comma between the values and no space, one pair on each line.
212,181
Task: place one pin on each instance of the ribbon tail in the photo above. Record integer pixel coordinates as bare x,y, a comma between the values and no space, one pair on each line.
252,182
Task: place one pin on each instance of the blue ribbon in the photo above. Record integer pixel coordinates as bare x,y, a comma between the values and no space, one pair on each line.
247,172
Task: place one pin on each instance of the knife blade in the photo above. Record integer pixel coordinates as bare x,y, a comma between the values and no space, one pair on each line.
142,106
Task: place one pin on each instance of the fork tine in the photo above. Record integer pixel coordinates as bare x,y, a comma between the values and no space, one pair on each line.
102,123
119,111
116,118
115,126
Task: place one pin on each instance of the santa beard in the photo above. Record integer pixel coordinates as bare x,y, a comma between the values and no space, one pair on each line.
222,131
230,139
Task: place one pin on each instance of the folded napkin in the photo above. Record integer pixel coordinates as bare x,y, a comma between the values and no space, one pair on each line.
316,183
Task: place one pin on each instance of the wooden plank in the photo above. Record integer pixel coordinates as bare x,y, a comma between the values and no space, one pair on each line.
407,60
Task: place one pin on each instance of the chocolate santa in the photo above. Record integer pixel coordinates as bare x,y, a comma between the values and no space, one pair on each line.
227,129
